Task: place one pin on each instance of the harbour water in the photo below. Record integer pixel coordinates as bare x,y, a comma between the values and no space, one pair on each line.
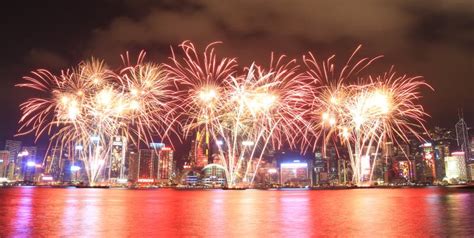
72,212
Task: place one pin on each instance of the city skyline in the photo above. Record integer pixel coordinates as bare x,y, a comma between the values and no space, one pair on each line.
412,49
247,118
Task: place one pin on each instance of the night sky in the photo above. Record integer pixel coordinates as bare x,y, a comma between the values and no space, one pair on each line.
434,39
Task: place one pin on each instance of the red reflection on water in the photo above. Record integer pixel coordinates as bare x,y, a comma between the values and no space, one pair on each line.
250,213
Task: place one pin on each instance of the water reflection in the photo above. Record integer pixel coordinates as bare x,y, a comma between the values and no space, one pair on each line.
22,218
27,212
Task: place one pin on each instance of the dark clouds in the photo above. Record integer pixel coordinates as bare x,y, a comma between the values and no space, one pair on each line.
433,39
46,59
429,38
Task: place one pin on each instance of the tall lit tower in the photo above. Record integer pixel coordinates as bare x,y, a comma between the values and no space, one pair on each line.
116,165
462,138
200,149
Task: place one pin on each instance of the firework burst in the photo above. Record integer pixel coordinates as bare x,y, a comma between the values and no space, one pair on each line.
363,113
86,107
245,111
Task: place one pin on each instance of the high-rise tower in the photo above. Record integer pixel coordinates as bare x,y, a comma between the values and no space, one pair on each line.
462,138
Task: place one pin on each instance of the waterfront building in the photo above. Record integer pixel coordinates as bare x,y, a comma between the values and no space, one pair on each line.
133,163
52,164
200,150
67,171
456,166
4,161
320,169
27,164
117,164
396,164
147,166
154,165
267,174
471,171
212,175
425,163
14,148
166,165
295,173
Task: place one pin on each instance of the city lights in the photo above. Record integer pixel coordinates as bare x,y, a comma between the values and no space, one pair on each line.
249,108
247,143
255,118
364,112
75,168
47,178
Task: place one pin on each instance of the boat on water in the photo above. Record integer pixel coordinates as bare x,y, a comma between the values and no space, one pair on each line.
60,186
461,186
237,188
95,186
192,188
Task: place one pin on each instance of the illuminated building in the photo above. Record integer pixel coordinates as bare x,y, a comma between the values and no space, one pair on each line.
116,165
167,165
213,174
456,166
320,176
365,166
133,164
4,160
267,174
147,166
443,141
52,165
294,173
471,170
13,147
404,169
332,168
425,163
472,148
66,175
200,150
395,163
26,164
77,171
151,165
462,137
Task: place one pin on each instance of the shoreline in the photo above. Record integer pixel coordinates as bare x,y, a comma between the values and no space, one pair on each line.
463,186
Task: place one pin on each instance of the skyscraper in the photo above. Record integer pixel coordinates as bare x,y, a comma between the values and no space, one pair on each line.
13,147
116,166
4,160
462,138
27,163
144,166
456,166
200,150
52,165
166,166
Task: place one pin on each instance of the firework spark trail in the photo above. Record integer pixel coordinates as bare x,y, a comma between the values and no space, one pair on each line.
286,92
363,114
88,106
199,79
246,111
249,109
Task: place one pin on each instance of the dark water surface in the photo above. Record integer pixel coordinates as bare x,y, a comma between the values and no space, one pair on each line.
52,212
